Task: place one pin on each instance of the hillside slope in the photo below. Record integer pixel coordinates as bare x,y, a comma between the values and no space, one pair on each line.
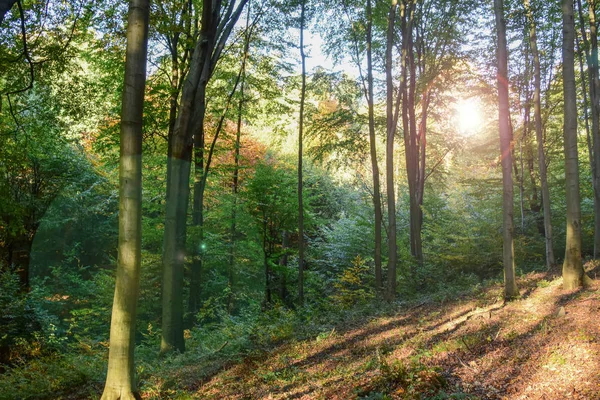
546,345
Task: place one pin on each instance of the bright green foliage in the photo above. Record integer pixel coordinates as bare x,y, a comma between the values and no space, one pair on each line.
353,286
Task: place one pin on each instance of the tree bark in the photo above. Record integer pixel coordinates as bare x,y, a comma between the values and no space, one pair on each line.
120,380
373,150
389,155
236,169
300,184
595,102
178,174
573,273
581,50
537,110
510,285
188,131
216,34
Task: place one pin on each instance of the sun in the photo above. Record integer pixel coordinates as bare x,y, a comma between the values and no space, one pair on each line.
467,116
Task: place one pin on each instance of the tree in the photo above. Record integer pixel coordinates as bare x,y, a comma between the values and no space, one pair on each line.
236,163
510,284
216,26
431,42
369,94
274,205
591,52
537,109
300,183
120,380
572,271
392,121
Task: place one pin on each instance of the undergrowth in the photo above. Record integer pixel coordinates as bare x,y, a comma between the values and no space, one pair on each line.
77,370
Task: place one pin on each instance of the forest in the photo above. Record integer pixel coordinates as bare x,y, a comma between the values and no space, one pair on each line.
299,199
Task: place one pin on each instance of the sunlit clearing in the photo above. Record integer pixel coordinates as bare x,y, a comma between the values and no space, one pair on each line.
468,116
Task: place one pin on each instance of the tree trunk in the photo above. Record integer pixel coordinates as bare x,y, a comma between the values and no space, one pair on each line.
215,35
373,149
283,262
389,155
300,184
198,204
573,273
510,285
236,170
19,258
414,139
595,100
585,88
178,174
537,110
120,380
267,270
189,126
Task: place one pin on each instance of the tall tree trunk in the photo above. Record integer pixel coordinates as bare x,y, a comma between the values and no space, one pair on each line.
414,137
389,155
510,284
215,29
539,134
593,135
120,380
300,184
595,100
198,199
581,50
236,169
216,37
416,184
373,149
178,174
573,273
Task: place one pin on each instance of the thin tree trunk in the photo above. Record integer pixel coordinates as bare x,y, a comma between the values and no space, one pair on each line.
198,203
373,149
581,50
266,254
510,284
236,168
283,262
416,185
389,156
120,380
300,184
537,110
573,273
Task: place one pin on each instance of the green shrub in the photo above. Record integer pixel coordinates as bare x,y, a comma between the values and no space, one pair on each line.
352,286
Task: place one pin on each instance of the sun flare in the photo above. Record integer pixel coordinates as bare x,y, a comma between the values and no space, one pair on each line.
468,116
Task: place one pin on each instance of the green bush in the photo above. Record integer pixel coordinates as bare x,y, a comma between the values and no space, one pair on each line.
353,286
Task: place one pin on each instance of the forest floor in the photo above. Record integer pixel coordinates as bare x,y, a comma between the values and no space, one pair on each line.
544,345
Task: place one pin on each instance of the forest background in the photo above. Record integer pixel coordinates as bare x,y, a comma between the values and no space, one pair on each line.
397,193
